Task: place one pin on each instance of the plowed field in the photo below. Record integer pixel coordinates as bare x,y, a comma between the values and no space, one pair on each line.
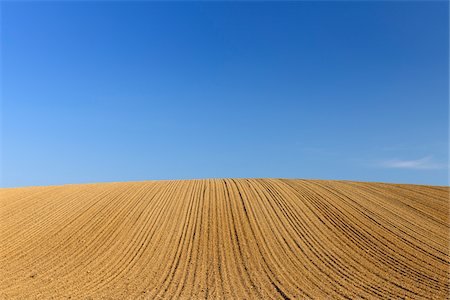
225,238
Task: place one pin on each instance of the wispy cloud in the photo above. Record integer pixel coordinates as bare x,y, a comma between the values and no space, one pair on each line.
425,163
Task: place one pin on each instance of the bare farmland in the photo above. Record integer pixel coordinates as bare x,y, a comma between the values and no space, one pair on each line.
225,238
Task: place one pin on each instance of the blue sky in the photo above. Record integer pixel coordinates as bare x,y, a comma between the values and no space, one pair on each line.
120,91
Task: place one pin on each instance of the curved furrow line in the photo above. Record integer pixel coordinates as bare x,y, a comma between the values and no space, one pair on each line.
20,200
246,206
11,197
376,217
125,237
225,239
168,217
303,245
142,235
411,211
231,273
437,193
188,245
341,262
361,237
17,224
198,278
367,259
252,218
400,263
423,205
273,267
65,248
236,239
181,283
296,259
320,234
119,243
420,228
328,259
420,223
43,246
240,266
274,254
414,230
189,262
141,232
182,240
141,238
209,259
336,264
240,190
100,228
187,279
216,246
343,198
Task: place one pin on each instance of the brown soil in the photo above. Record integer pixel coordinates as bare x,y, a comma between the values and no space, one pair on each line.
229,239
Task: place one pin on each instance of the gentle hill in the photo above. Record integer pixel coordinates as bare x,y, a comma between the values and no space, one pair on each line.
230,239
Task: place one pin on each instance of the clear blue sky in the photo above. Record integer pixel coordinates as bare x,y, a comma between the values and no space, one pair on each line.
116,91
